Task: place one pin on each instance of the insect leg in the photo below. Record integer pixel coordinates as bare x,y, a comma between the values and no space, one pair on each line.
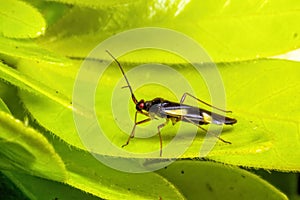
160,140
188,94
206,130
133,129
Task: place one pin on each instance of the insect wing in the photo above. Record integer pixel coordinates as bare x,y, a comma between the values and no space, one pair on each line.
184,112
197,115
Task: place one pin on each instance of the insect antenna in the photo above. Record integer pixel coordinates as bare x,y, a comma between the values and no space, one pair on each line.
128,84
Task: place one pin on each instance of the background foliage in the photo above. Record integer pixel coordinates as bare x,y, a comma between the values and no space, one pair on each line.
42,45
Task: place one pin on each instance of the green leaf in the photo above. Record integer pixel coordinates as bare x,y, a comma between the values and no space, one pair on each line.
217,181
3,106
29,84
95,4
286,182
263,137
86,173
9,190
39,188
90,175
227,30
26,150
81,175
261,93
260,96
52,11
27,49
12,103
20,20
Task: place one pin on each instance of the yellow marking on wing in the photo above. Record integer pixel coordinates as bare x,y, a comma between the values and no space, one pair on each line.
177,112
206,117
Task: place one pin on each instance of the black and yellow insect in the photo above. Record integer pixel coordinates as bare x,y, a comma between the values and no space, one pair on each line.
159,107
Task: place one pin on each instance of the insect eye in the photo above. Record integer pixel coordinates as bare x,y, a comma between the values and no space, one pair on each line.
142,105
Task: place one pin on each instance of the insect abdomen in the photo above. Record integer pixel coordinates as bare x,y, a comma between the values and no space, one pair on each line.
217,119
229,121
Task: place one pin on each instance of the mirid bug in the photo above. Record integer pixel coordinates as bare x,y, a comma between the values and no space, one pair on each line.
159,107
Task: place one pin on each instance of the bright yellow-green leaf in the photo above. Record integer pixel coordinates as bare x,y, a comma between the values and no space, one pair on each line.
261,93
265,93
90,175
95,4
216,181
29,84
20,20
227,30
86,173
27,49
26,150
267,125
